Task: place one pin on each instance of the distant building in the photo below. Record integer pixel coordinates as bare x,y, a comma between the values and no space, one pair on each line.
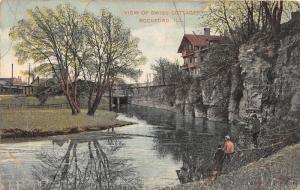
14,86
193,48
10,81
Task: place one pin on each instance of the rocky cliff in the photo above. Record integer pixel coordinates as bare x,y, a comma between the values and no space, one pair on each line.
264,78
209,93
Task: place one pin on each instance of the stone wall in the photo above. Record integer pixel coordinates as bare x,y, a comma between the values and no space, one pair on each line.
159,96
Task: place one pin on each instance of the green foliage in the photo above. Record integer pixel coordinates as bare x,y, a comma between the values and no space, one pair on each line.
240,20
113,51
70,45
166,72
46,89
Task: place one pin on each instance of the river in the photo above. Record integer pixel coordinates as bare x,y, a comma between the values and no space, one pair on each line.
145,155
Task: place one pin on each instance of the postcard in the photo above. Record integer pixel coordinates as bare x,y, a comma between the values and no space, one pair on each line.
149,94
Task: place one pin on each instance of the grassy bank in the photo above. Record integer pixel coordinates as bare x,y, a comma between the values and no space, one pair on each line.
45,122
13,99
31,100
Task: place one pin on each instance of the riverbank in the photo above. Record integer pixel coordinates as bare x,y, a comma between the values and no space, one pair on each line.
48,122
280,171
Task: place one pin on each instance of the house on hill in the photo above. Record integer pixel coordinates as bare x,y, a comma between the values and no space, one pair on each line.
193,48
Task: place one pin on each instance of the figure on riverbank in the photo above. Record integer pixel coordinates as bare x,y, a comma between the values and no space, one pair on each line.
228,147
254,129
219,160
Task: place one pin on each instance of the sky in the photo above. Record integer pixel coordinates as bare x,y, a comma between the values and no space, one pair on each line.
155,22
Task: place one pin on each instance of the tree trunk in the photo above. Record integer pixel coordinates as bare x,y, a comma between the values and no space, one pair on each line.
111,84
69,88
274,16
96,102
94,107
75,108
71,100
110,98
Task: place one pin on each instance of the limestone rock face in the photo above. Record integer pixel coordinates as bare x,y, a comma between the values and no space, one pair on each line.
256,72
209,93
271,75
264,79
236,93
215,93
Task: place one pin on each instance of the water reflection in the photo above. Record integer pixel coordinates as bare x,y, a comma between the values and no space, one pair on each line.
191,141
86,164
155,152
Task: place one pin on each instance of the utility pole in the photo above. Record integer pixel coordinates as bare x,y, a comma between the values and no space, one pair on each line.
28,73
0,61
147,79
12,74
184,23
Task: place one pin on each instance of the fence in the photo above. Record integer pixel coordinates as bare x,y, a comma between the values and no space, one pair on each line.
45,106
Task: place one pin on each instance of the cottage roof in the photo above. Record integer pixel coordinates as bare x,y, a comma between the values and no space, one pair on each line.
198,40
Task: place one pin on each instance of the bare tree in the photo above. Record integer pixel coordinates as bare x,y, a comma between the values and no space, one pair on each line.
273,11
242,19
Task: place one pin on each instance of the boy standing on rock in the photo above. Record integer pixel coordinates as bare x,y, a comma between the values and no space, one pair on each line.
228,147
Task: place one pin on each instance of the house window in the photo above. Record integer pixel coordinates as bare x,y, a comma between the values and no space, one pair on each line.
191,60
201,58
185,60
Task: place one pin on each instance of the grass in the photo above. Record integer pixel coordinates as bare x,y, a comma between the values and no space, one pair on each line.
42,121
13,99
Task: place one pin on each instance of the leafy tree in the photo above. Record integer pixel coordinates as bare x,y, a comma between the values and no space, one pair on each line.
53,37
166,72
113,52
242,19
72,46
46,89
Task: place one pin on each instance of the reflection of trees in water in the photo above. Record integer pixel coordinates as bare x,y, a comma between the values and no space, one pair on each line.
194,141
196,150
93,168
186,146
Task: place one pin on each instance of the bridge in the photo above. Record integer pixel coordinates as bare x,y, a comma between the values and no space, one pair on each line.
123,94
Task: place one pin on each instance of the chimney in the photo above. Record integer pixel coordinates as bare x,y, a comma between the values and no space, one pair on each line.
207,31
